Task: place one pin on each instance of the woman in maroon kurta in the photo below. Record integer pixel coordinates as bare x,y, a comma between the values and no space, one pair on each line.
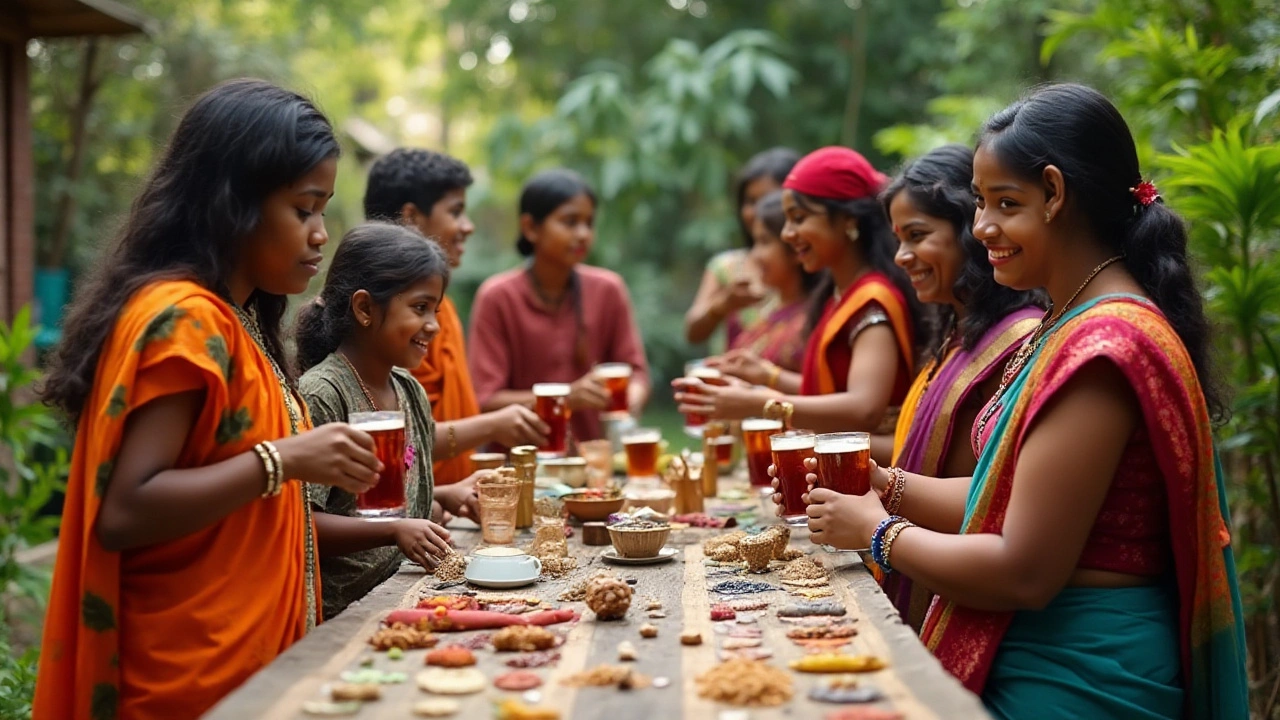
555,318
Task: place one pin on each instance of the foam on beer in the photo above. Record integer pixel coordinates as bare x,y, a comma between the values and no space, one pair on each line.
842,445
613,370
379,425
759,424
551,389
637,438
799,442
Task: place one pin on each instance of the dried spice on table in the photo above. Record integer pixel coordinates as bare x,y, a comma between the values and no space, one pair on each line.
605,675
451,681
812,609
760,653
608,597
523,639
404,637
517,681
844,690
451,656
435,707
748,604
453,566
448,602
829,630
512,709
838,663
814,593
747,683
534,659
758,551
742,587
804,569
362,692
722,611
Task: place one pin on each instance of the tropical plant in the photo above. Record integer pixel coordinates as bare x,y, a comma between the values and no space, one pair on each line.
1228,187
660,146
27,483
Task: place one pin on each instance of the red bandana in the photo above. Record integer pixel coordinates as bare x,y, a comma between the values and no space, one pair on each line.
835,173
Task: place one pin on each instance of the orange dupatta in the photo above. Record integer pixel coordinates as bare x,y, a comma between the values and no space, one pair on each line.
444,375
817,376
166,631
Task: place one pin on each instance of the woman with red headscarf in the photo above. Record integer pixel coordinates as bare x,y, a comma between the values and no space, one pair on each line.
859,357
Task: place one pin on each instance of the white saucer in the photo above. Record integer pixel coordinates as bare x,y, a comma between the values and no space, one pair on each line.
663,555
502,584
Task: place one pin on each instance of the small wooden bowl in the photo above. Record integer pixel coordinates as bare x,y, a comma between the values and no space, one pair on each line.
588,508
637,543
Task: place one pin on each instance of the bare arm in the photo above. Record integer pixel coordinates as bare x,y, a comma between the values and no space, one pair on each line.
148,502
511,426
343,535
1064,471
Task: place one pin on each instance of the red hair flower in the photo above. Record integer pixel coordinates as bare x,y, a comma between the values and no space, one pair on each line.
1145,193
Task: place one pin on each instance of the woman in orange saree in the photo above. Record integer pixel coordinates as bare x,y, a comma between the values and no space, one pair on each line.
931,207
1092,574
186,560
859,358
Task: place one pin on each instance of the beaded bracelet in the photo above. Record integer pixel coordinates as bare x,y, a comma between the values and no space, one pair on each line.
877,537
895,490
890,535
273,465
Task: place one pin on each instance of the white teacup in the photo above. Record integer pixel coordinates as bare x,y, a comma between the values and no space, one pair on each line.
503,564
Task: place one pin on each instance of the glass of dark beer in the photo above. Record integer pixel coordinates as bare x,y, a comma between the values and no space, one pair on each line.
641,445
616,378
790,449
844,462
386,499
755,442
695,378
551,403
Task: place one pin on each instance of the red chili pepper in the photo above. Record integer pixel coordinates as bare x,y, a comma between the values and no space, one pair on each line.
442,620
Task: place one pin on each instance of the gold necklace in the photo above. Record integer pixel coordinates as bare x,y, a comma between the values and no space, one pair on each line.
363,388
1033,343
249,319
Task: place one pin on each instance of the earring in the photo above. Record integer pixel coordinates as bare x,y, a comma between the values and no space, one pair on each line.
1047,217
364,323
852,234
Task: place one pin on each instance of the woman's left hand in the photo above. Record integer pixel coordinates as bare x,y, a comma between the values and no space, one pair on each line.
460,499
721,403
744,365
843,521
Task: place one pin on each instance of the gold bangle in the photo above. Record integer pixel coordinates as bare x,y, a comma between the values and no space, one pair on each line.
775,372
453,441
769,405
891,535
788,410
271,462
894,491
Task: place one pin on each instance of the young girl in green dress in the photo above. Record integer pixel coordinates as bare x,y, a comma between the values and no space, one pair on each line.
373,319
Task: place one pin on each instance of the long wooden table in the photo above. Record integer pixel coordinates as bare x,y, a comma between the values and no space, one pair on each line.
913,683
